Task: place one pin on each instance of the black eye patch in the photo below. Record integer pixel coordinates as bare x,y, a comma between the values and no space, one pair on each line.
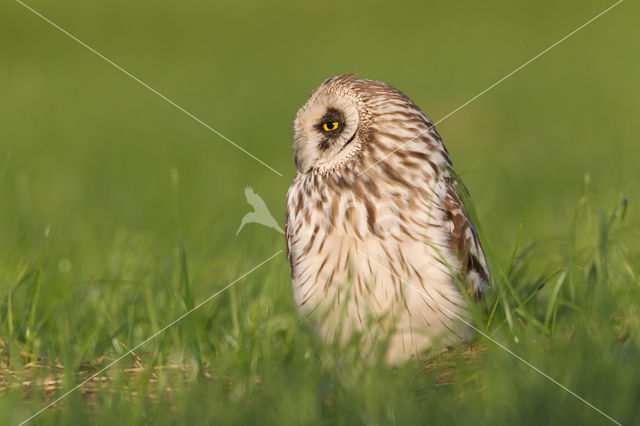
330,126
332,122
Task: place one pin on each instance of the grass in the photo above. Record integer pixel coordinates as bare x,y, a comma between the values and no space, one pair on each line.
118,213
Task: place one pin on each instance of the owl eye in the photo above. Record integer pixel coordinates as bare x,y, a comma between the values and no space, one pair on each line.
330,126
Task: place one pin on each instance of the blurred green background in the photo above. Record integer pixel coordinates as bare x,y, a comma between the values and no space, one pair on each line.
118,211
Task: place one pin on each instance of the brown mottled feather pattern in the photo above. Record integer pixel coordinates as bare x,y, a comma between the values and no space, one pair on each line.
382,195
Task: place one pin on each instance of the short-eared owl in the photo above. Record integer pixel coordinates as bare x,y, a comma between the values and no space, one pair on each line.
376,234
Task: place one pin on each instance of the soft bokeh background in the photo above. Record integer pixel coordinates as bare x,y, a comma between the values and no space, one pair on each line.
118,211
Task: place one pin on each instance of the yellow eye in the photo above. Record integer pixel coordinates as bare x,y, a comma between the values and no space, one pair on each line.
329,127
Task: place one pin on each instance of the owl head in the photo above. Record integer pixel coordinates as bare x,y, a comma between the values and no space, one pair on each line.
347,115
331,126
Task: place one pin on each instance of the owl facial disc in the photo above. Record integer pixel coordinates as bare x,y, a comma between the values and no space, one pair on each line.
326,130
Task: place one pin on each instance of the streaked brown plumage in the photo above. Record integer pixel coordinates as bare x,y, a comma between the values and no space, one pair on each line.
373,208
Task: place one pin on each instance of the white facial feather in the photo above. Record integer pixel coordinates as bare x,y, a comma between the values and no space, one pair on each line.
308,137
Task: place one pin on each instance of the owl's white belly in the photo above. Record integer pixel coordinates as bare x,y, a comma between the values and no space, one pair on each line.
363,283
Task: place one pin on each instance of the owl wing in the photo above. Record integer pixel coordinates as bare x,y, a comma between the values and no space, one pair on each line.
463,238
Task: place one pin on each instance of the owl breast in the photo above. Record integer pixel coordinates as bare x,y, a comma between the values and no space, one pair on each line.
374,259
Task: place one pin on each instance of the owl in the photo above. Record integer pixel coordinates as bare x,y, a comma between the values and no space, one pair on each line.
378,239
